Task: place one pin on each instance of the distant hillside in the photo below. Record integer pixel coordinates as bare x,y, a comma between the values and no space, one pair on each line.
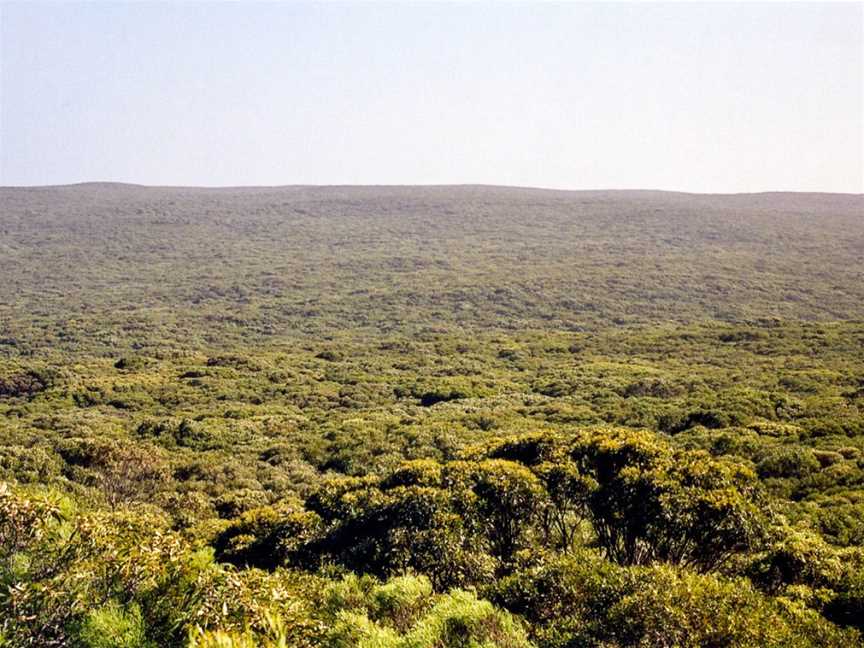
208,265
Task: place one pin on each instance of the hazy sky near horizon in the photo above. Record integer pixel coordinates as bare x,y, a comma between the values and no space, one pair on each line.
693,97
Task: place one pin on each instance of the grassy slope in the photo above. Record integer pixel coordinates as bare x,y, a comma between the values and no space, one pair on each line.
97,268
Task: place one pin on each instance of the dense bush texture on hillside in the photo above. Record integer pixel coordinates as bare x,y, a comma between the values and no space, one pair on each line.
430,417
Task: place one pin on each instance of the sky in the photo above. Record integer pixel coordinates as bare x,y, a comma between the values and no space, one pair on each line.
721,98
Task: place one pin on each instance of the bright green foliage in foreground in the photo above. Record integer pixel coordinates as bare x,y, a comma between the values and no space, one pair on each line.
464,521
430,418
575,597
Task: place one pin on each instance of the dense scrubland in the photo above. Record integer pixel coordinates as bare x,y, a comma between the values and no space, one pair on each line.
430,417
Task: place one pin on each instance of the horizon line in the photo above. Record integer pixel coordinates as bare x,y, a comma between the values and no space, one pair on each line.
118,184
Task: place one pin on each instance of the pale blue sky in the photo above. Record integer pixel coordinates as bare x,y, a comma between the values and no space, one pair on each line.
694,97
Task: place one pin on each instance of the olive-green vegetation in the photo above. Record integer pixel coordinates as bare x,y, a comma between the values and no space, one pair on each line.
430,417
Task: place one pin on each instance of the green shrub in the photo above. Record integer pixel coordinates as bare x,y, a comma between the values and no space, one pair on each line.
112,626
668,607
402,613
